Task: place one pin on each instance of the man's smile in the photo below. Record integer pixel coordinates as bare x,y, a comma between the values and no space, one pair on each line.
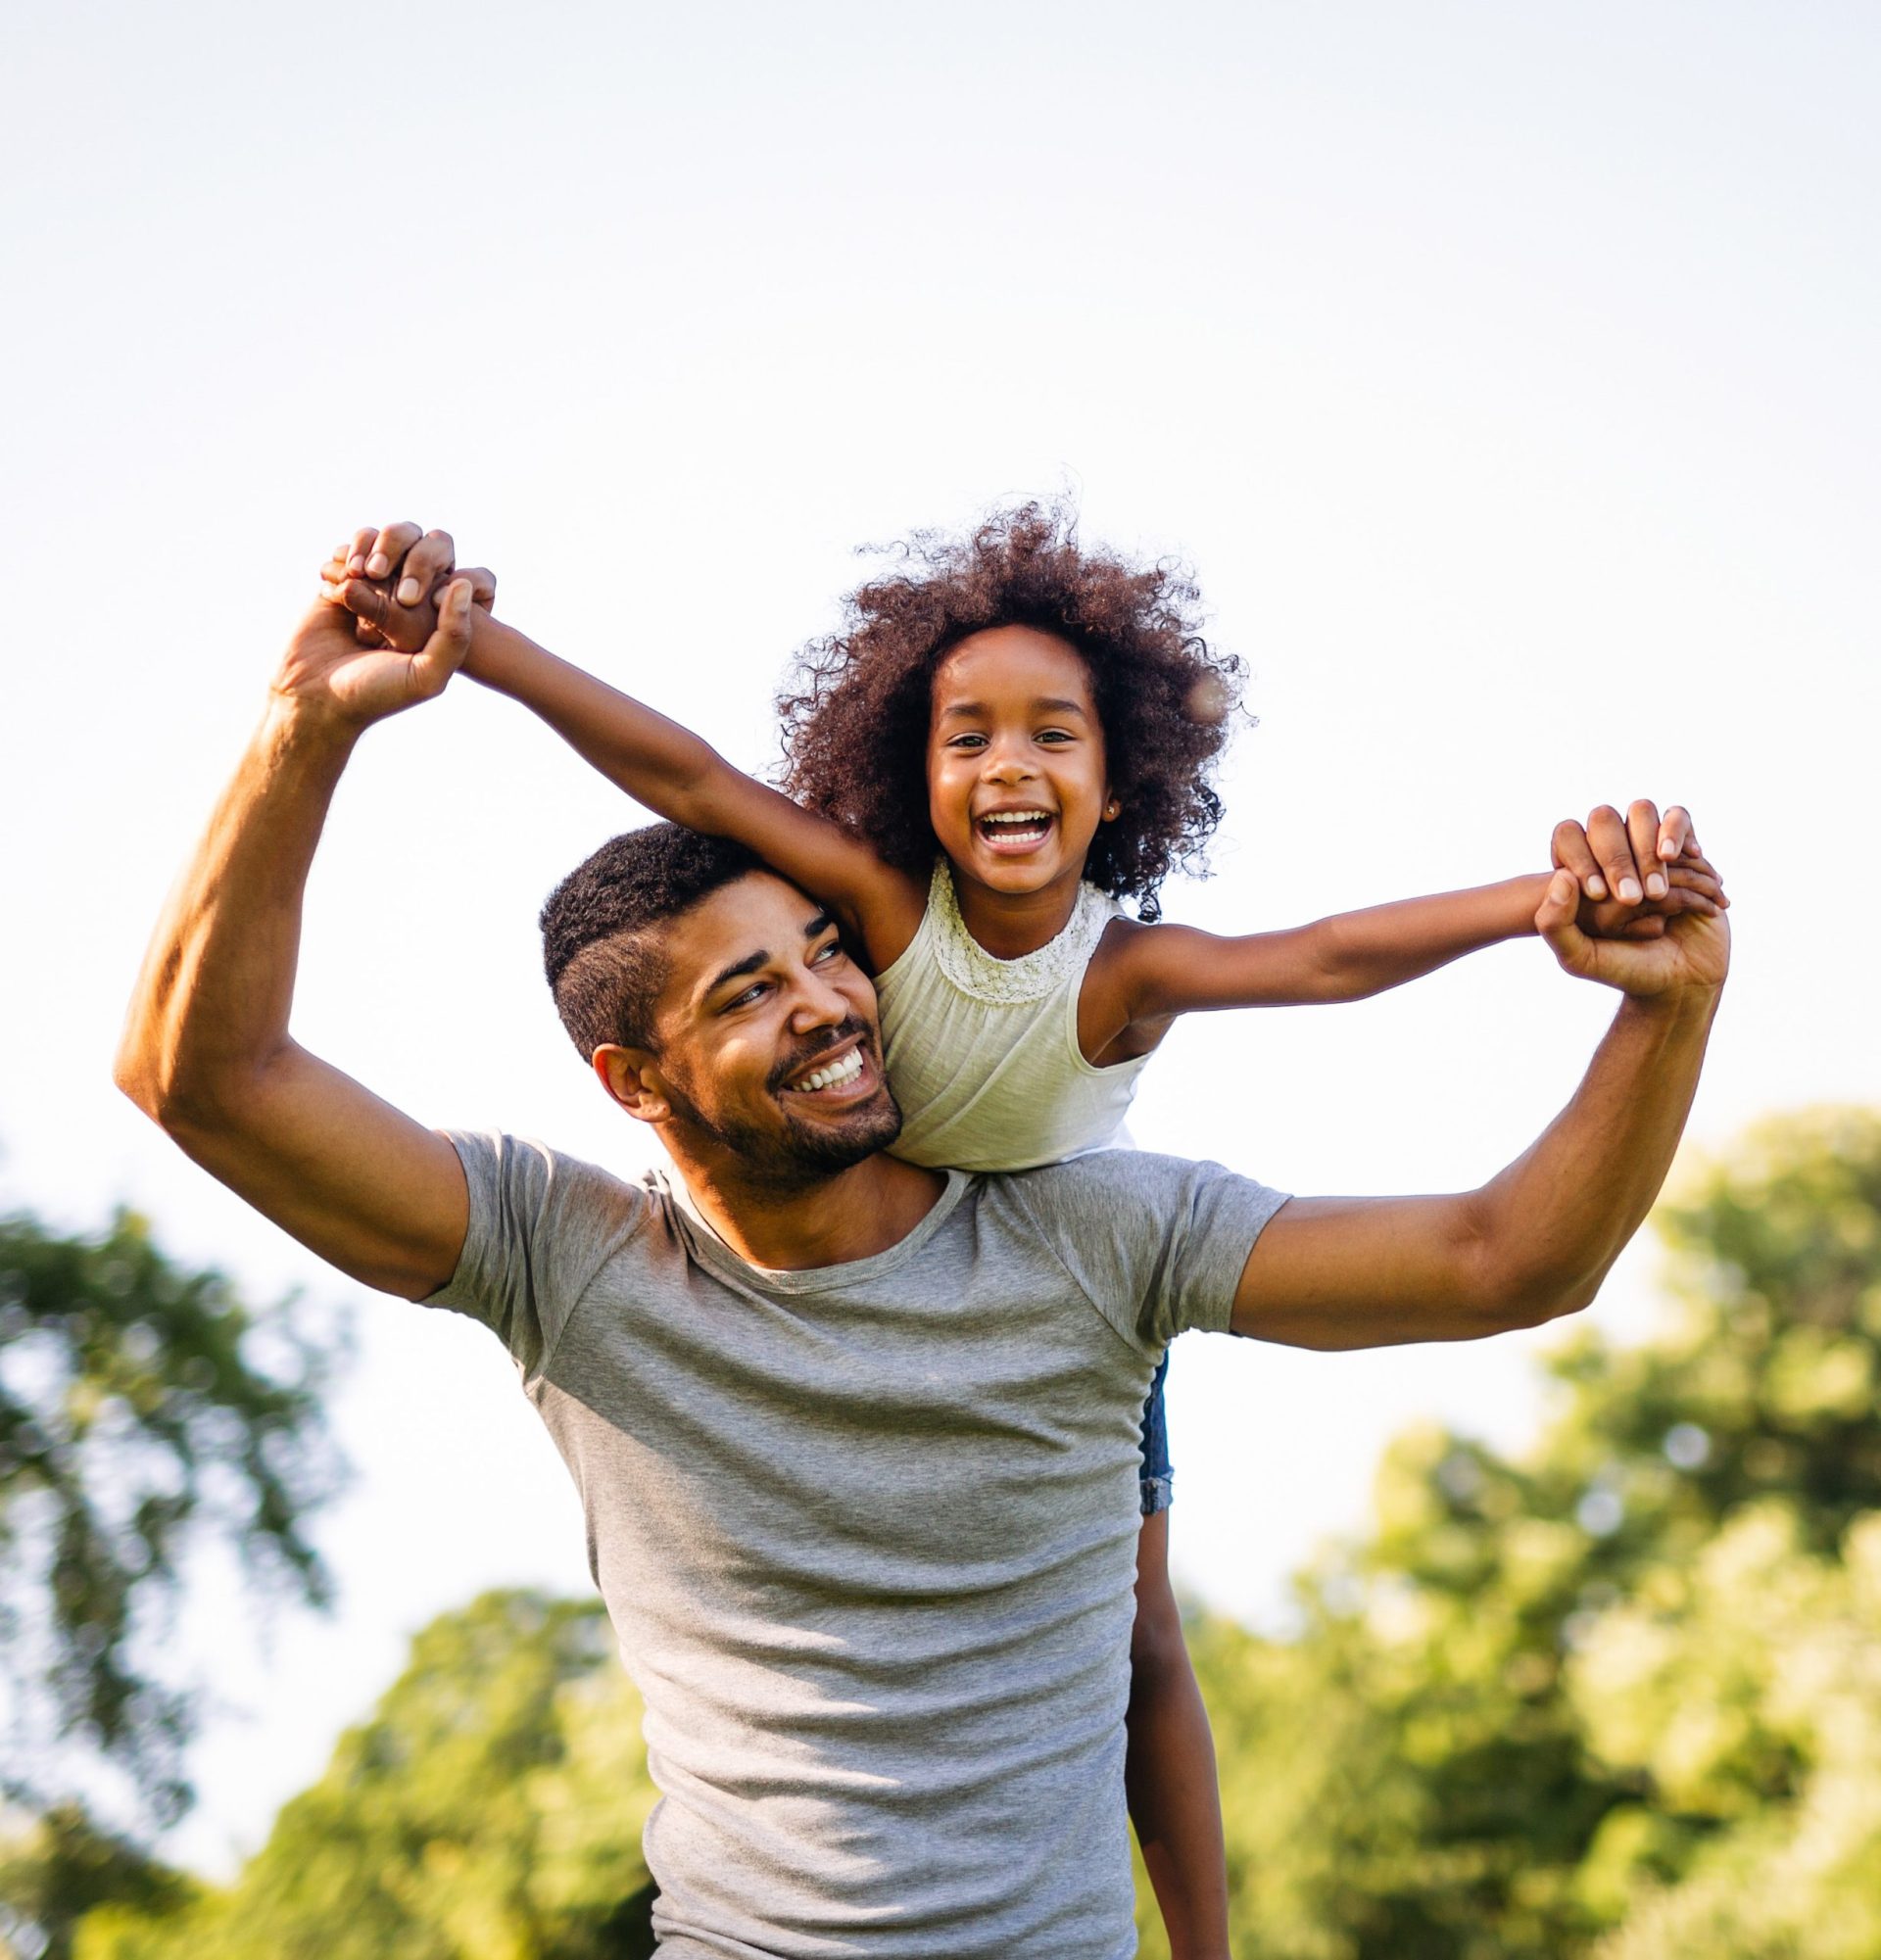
837,1076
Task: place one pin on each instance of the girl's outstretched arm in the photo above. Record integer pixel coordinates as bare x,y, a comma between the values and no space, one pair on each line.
1161,971
667,768
677,775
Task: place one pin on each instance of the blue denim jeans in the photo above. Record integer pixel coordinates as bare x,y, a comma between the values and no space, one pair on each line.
1158,1478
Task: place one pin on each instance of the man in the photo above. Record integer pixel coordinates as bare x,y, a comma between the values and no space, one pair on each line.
856,1440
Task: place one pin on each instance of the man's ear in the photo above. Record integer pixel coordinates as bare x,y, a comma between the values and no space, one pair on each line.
631,1075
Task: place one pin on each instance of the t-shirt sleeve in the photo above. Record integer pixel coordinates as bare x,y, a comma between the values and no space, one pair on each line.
542,1226
1157,1243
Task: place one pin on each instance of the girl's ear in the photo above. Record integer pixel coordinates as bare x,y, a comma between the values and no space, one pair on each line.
1112,810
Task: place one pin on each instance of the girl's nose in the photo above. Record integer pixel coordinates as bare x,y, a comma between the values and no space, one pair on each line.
1007,764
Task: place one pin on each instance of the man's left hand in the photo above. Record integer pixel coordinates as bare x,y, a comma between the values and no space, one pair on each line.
1658,925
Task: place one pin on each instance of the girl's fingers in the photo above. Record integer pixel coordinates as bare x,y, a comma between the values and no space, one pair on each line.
1675,838
1572,852
388,547
427,562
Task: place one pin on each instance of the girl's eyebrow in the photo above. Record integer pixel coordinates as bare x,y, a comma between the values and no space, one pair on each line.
1051,703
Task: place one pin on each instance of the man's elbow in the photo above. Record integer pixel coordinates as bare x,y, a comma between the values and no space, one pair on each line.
137,1071
1514,1293
179,1100
1507,1285
170,1102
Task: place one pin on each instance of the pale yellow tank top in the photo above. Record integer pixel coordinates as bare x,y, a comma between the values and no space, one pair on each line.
983,1053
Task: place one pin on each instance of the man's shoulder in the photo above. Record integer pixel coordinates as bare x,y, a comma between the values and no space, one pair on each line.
1156,1243
522,1175
1106,1177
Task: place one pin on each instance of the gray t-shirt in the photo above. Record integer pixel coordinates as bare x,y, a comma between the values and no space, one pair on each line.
867,1534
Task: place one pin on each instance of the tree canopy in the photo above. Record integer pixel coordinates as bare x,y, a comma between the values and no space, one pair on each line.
143,1409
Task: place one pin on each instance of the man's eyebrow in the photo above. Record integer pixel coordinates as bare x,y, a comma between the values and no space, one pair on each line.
1055,703
749,964
752,962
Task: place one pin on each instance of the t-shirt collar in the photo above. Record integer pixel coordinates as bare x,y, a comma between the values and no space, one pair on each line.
710,1249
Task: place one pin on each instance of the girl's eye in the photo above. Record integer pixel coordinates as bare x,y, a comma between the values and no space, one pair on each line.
968,742
1054,734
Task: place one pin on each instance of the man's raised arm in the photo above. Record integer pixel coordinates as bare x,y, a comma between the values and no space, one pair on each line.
1536,1240
206,1050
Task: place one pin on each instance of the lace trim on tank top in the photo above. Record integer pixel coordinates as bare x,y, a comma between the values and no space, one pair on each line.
1032,975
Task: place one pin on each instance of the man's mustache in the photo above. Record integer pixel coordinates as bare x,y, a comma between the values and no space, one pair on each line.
835,1039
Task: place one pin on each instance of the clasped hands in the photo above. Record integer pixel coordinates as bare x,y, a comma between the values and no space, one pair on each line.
1633,903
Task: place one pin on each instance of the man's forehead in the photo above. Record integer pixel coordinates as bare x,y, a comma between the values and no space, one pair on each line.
755,917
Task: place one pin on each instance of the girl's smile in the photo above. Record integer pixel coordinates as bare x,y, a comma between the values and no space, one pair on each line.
1017,782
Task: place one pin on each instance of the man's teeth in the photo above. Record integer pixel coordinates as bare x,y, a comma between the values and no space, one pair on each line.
845,1070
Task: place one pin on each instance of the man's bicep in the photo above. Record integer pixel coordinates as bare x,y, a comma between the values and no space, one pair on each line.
1367,1272
350,1178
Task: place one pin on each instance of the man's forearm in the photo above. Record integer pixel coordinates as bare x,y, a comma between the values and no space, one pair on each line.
212,1002
1555,1221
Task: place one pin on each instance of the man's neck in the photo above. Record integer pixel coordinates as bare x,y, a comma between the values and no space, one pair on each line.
850,1215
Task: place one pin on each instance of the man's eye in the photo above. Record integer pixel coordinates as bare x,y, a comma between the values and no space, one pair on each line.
833,951
745,998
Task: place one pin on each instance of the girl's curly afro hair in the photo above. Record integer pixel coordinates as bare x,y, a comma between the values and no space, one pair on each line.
857,714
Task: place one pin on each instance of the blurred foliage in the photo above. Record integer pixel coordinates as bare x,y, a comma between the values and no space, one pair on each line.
143,1409
58,1866
1620,1697
490,1811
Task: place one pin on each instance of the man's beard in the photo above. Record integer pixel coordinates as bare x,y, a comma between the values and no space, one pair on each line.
808,1149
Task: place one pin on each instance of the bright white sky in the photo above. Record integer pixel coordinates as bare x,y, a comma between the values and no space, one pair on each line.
1507,373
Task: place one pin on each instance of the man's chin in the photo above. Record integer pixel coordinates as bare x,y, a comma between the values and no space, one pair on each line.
834,1142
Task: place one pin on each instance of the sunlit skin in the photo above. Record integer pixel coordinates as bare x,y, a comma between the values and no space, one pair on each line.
1015,729
760,999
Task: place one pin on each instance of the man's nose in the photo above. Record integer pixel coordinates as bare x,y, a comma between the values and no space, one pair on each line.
816,1002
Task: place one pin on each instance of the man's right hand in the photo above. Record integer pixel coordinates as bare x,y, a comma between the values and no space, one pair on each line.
327,672
391,582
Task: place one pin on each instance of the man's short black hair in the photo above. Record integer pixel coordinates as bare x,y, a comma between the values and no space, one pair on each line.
603,959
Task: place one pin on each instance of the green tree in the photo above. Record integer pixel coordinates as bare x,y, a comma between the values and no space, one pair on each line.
56,1867
1453,1759
491,1809
143,1409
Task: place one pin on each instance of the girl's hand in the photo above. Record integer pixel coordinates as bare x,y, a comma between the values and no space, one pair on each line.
1636,874
391,580
1625,858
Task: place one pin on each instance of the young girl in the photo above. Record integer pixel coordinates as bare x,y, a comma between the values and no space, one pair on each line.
1012,735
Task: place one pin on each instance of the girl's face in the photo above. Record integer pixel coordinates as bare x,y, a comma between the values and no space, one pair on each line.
1017,782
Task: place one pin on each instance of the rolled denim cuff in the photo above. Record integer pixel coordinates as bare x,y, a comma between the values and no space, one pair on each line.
1158,1493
